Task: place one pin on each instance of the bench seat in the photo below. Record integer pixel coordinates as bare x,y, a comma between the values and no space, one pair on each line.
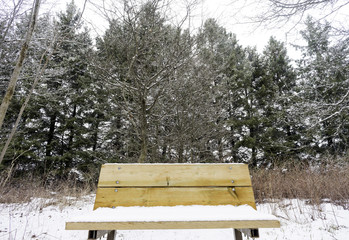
177,217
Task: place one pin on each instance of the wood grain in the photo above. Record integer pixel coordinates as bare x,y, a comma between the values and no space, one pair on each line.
172,196
124,175
173,225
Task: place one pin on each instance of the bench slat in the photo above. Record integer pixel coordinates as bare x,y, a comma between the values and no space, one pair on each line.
123,175
172,196
173,225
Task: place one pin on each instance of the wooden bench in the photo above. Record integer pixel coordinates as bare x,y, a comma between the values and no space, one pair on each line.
173,196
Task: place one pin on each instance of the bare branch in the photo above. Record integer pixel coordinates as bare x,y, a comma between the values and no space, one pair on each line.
12,84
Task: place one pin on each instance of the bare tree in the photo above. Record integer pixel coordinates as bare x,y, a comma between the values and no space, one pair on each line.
7,18
142,53
12,84
280,12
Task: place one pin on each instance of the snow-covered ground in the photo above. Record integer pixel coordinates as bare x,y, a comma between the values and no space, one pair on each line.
45,219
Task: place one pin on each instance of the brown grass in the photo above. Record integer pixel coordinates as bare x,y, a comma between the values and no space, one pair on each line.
59,193
328,182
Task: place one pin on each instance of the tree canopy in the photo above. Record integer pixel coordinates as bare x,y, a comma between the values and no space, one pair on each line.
148,90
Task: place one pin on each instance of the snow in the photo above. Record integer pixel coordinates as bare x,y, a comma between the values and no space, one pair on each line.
44,219
176,213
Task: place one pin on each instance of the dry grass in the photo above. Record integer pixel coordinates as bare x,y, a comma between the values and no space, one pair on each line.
58,193
328,182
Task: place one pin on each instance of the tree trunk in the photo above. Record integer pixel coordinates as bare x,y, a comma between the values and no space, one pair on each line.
50,134
164,152
144,132
12,84
72,132
95,136
253,148
254,157
180,153
144,147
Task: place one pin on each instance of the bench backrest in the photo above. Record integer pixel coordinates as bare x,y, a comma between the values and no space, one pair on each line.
174,184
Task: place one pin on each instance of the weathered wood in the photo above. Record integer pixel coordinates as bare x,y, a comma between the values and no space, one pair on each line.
172,175
172,196
173,225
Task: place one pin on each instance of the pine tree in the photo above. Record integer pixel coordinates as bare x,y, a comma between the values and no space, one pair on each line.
249,95
283,131
324,80
216,48
261,88
24,146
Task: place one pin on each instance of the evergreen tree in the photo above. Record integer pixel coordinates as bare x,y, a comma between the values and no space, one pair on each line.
324,80
261,88
54,135
24,147
249,95
67,97
283,131
216,48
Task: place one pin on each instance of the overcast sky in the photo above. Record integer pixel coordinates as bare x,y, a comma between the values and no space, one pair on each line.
231,14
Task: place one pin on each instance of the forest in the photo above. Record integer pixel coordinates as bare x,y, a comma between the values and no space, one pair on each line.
149,90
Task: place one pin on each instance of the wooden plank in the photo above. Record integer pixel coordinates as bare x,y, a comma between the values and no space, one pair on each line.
172,196
173,225
123,175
